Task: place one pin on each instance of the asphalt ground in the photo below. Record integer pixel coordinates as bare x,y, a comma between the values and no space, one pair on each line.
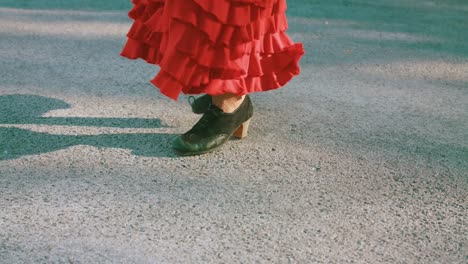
363,158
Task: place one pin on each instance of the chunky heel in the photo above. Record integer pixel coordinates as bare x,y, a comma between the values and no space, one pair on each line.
241,132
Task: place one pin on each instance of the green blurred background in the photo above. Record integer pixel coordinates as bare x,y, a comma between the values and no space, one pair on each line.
443,19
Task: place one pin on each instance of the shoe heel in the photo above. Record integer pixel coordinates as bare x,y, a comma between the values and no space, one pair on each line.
241,132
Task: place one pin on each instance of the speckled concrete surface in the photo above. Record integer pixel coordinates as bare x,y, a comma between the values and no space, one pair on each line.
361,159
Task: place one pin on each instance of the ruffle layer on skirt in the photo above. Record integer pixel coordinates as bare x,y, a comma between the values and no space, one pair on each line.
214,46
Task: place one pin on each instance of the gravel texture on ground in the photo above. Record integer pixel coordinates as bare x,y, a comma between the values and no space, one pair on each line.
363,158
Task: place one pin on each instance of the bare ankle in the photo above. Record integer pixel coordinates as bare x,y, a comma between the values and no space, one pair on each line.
228,102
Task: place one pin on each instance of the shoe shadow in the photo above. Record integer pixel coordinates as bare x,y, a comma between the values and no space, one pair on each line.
27,109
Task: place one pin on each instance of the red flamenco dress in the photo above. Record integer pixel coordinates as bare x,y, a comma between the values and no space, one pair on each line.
214,46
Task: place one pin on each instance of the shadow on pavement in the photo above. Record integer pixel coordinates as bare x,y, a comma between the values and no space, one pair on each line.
27,109
16,142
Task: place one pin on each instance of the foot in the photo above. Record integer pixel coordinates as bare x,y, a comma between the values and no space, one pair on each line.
214,129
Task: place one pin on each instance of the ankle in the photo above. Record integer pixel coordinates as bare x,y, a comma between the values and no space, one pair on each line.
228,102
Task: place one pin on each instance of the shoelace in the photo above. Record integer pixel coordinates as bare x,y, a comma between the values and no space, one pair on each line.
191,100
212,113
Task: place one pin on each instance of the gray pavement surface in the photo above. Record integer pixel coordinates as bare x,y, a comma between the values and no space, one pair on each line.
361,159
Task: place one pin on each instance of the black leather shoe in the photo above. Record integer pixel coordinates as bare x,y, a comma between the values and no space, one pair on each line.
200,104
214,129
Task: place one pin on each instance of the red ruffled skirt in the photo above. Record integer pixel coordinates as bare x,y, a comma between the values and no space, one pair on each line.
214,46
